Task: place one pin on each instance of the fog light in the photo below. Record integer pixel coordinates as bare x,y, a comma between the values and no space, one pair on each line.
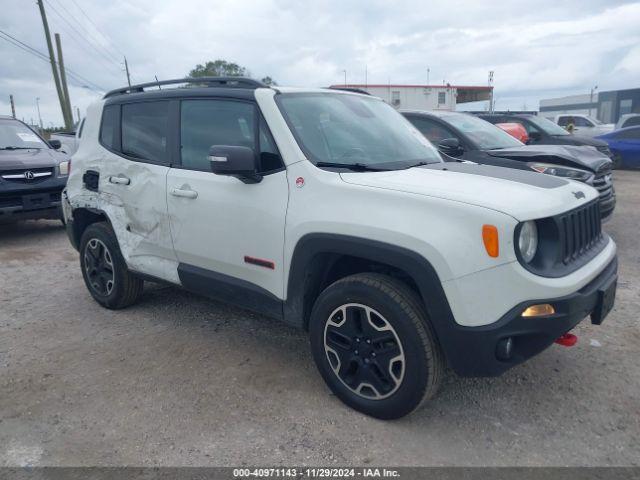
540,310
504,349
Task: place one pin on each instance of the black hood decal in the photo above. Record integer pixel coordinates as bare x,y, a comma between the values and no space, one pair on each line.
513,175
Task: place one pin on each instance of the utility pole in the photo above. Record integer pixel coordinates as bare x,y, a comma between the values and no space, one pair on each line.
345,78
52,58
591,98
13,106
428,72
39,116
126,67
68,119
491,103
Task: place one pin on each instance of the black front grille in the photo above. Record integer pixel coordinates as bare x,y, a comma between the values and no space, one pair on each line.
603,183
580,231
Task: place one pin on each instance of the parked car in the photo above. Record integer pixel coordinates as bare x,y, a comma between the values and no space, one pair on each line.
467,137
628,120
543,131
516,130
328,210
68,141
32,173
584,124
625,145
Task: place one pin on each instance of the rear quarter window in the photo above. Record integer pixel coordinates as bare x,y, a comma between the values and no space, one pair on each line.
109,127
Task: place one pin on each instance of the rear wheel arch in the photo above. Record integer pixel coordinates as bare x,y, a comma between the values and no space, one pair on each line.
82,218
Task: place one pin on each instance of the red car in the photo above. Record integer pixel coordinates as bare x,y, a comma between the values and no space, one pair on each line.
516,130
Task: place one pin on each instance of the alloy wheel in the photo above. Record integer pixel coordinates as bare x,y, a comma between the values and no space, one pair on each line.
98,264
364,351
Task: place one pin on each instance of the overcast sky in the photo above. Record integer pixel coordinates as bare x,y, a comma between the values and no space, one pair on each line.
537,49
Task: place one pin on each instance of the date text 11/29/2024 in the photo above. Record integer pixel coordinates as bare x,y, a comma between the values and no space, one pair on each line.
368,472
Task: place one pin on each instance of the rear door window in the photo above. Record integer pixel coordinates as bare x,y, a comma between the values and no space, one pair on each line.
145,131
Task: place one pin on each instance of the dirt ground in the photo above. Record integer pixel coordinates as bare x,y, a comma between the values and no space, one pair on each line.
181,380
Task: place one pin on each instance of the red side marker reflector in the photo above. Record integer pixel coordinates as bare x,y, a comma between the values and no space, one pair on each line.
260,262
567,340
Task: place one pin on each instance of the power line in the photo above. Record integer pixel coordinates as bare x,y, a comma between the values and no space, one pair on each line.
83,43
98,29
13,40
88,33
27,48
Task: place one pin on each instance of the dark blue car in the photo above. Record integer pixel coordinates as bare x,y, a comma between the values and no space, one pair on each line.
625,147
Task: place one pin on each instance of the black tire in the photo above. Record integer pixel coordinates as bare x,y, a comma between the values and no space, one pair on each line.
61,217
391,304
98,267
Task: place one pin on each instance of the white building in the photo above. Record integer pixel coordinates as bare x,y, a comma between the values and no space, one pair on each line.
425,97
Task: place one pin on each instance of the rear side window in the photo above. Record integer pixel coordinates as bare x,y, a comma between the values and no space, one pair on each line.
109,126
632,122
631,134
145,131
434,132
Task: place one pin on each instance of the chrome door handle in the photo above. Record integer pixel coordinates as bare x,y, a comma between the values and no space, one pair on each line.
178,192
120,180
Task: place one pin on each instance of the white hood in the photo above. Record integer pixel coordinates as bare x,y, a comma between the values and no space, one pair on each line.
521,194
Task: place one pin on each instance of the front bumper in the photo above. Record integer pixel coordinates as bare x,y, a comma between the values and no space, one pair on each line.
476,348
30,201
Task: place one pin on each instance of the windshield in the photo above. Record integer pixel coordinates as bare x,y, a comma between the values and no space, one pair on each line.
484,134
14,134
548,126
348,129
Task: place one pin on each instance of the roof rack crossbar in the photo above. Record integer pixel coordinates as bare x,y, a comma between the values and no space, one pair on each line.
231,82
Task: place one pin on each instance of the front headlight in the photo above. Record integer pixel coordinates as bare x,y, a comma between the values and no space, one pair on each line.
528,241
561,171
63,167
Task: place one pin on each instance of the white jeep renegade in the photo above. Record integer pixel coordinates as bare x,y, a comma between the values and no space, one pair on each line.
327,209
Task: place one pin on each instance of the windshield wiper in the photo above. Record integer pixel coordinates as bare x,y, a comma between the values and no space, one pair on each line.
356,167
419,164
11,147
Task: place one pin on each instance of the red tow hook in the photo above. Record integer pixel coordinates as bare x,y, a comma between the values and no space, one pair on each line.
567,340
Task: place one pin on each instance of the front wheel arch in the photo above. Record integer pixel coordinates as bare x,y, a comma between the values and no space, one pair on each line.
314,252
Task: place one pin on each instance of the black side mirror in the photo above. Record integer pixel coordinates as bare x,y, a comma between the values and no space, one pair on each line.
535,136
451,147
235,161
55,144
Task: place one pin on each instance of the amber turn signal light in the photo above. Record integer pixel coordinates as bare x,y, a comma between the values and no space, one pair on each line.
540,310
490,239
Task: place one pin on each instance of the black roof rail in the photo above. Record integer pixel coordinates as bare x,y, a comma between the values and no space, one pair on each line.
230,82
350,89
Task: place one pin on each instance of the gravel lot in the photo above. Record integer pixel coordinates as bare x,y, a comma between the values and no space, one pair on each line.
181,380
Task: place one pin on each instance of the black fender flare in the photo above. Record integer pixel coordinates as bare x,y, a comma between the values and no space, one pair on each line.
311,247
